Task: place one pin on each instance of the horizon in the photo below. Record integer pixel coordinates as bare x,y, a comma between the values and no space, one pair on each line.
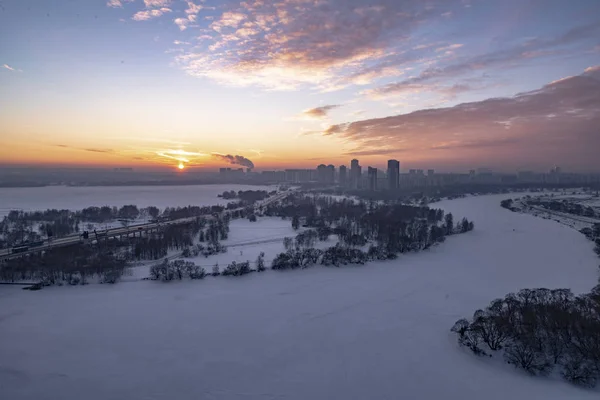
161,84
189,171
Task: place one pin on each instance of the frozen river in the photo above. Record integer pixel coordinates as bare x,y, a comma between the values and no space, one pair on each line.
379,331
77,197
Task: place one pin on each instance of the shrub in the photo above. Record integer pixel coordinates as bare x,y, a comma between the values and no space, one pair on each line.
237,269
111,277
194,271
260,262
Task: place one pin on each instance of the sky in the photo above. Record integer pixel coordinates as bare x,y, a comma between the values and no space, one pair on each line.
445,84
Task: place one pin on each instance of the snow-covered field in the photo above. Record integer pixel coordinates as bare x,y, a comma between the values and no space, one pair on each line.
379,331
572,220
76,198
245,242
247,239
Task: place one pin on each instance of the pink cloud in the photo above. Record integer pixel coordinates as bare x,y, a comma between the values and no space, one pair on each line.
117,3
149,14
319,112
157,3
330,44
556,123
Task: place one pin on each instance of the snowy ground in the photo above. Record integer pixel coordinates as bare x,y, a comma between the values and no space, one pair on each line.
571,220
379,331
76,198
246,241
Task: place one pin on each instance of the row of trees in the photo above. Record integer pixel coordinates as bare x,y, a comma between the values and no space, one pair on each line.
539,330
182,237
68,265
181,269
390,228
176,270
564,206
246,196
108,258
20,226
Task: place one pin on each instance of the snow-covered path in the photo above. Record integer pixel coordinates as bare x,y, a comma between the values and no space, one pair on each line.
379,331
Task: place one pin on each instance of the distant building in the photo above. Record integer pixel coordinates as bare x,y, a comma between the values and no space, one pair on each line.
229,173
527,177
300,175
322,173
393,174
343,176
326,173
372,178
330,174
430,172
355,174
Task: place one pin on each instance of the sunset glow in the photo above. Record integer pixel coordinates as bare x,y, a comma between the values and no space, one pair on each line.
435,84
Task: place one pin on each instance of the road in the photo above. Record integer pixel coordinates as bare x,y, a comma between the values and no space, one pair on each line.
6,254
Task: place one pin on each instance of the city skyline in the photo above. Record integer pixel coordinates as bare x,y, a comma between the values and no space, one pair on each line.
445,85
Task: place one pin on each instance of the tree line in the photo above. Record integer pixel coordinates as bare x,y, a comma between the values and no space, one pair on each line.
390,229
23,227
247,196
540,330
76,264
73,265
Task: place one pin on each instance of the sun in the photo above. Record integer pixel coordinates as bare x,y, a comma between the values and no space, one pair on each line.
181,166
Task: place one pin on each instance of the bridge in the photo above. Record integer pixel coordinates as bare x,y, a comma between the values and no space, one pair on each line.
128,231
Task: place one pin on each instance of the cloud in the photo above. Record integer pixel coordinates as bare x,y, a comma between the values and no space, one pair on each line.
149,14
557,123
156,3
193,8
449,47
532,49
117,3
89,149
327,44
319,112
8,67
357,113
180,155
235,160
183,23
94,150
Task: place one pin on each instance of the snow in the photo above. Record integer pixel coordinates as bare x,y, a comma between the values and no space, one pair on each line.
379,331
572,220
76,197
247,240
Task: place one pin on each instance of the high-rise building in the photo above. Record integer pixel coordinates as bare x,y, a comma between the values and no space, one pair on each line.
355,174
322,173
330,174
393,174
343,179
372,178
430,172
